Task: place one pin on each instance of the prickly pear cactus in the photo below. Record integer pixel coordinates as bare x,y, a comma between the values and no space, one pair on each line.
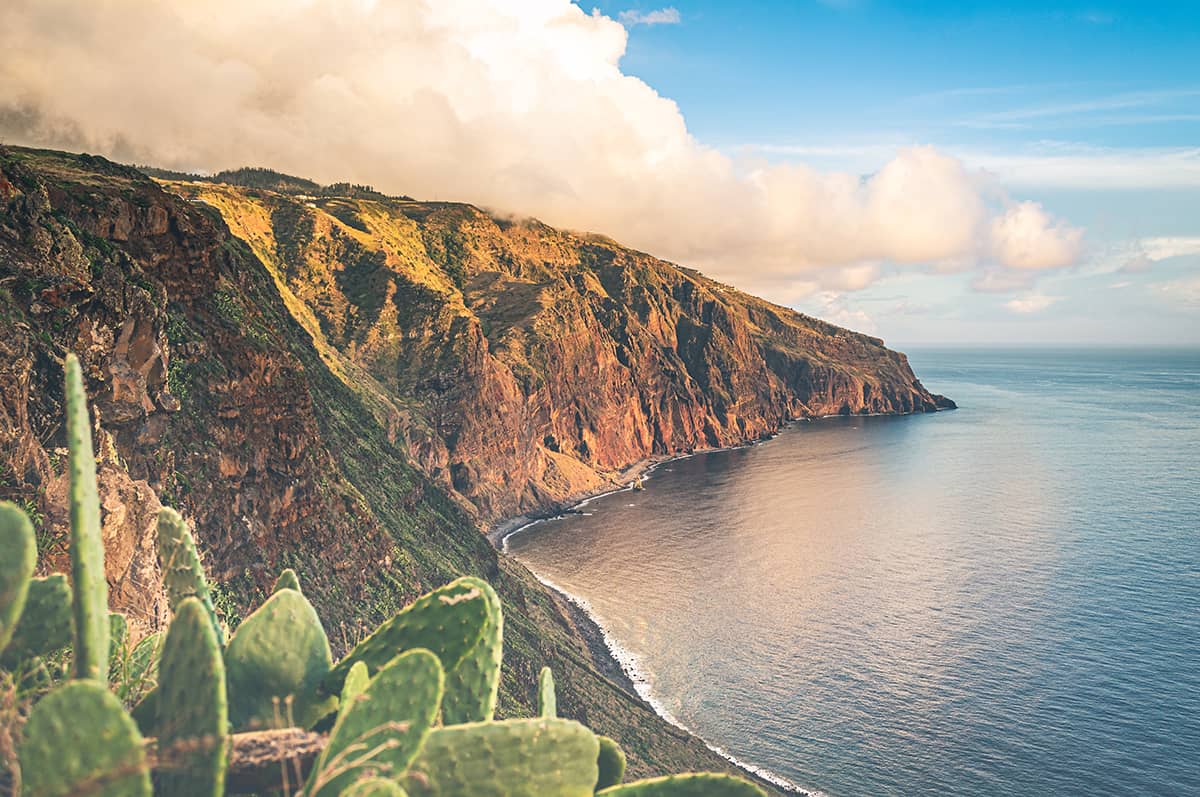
374,787
512,758
703,784
192,713
287,580
274,664
448,622
472,686
611,763
145,713
380,730
79,740
547,701
356,681
89,589
183,574
16,568
45,624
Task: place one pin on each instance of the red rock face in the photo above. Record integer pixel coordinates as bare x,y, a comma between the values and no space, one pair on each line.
517,365
527,365
197,393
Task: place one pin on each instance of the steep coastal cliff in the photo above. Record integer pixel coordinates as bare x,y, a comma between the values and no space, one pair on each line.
351,385
522,364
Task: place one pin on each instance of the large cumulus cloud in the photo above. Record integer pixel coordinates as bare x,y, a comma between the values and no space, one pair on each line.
518,106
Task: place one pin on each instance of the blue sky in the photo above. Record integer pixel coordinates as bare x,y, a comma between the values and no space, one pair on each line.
1091,109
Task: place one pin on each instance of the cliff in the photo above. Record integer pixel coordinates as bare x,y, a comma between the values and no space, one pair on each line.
350,385
522,365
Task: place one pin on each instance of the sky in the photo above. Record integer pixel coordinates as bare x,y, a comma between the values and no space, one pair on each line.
1091,109
934,172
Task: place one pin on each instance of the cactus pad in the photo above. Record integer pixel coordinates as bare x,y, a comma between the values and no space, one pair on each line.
183,574
526,758
703,784
473,686
380,730
89,589
79,740
191,707
145,713
274,663
16,568
448,622
356,681
45,624
547,701
287,580
611,763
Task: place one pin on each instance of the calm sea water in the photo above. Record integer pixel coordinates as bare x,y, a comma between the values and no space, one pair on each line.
999,600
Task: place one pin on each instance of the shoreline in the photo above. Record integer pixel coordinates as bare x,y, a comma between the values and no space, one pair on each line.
636,473
620,665
610,657
499,532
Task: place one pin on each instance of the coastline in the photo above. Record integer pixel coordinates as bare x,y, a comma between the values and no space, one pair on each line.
612,659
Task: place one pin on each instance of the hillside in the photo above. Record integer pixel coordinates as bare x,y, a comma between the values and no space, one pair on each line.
524,365
352,385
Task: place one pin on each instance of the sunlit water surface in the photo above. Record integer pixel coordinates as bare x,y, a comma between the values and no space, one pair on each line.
1003,599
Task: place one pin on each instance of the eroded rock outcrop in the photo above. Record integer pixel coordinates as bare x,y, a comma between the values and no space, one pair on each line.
523,364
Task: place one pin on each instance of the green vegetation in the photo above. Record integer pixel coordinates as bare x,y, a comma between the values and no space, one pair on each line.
438,657
90,589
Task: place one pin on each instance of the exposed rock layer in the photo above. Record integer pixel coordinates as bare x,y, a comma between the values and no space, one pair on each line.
524,364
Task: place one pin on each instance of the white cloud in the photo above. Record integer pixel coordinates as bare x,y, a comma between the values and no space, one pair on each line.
1183,292
1000,280
1079,166
1044,165
1026,237
521,107
1033,303
1137,264
1141,254
663,16
833,307
1162,248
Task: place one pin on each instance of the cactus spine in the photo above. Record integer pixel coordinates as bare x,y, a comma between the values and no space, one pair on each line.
16,569
192,713
547,701
703,784
183,574
274,664
611,763
79,740
90,590
380,730
473,686
507,758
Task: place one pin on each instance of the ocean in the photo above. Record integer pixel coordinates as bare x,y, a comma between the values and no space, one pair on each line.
1002,599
